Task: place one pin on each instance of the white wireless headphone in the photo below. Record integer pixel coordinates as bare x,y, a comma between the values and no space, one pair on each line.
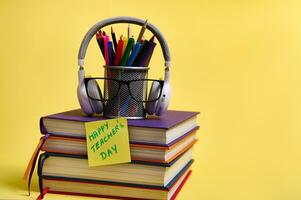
90,106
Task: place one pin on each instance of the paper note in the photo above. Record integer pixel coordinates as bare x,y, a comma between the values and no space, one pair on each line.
107,142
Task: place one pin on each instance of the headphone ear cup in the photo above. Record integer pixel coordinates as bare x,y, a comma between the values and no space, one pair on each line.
153,94
95,92
163,102
83,99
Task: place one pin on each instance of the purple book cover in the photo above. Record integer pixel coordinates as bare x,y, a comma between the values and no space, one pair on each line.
168,120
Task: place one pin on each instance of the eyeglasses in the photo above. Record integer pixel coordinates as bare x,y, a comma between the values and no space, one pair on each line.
136,89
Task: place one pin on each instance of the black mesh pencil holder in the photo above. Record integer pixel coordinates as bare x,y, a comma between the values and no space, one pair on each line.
125,92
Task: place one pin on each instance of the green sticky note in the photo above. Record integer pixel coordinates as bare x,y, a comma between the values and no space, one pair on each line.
107,142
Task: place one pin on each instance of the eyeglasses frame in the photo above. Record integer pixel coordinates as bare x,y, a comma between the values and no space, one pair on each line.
120,83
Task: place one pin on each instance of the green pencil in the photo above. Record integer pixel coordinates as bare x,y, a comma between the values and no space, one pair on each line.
127,51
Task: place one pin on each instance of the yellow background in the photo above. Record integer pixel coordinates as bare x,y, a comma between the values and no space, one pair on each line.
237,62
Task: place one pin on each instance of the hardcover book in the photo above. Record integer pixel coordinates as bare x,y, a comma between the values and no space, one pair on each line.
163,131
142,152
135,173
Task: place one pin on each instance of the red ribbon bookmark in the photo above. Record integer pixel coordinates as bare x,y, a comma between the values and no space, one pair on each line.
41,196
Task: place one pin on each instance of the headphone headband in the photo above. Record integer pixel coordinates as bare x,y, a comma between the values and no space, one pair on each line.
93,30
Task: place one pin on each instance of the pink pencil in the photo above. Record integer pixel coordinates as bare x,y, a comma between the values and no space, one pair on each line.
106,40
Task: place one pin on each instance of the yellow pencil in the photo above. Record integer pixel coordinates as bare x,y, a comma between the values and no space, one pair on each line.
142,31
125,42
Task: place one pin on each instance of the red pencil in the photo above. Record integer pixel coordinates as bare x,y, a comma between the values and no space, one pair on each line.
118,52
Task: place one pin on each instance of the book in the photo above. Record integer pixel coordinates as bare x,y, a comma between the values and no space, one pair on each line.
163,131
151,153
106,190
136,174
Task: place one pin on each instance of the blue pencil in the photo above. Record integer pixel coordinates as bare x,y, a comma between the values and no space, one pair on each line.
134,54
111,53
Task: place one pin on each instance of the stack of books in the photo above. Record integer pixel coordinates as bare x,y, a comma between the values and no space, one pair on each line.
161,157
